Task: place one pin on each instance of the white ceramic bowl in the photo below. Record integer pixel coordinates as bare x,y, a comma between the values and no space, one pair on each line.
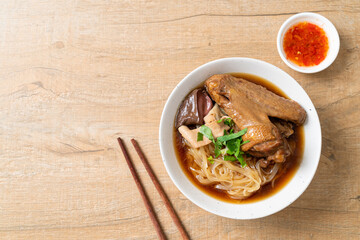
331,33
312,150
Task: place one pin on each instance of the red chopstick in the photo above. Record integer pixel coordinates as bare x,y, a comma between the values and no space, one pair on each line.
160,190
147,203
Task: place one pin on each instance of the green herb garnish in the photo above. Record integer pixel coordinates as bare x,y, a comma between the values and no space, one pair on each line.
231,141
217,149
230,158
232,135
232,146
206,131
244,142
200,136
241,160
220,120
227,121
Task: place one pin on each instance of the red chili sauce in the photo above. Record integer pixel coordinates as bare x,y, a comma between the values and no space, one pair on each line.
306,44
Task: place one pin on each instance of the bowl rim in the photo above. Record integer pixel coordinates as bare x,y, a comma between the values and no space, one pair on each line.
331,33
164,143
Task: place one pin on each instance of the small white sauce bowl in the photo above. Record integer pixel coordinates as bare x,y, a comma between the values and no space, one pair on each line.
326,25
312,149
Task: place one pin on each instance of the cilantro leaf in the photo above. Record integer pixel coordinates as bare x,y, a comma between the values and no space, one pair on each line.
219,143
217,150
241,160
227,121
232,135
200,136
238,153
244,142
229,158
232,142
206,131
221,119
232,145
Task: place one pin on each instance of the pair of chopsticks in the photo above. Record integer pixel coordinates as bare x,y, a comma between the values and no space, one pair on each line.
158,187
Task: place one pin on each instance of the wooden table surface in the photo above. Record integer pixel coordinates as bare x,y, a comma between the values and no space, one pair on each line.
75,75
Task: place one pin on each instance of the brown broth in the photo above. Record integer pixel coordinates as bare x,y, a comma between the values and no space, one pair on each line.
284,175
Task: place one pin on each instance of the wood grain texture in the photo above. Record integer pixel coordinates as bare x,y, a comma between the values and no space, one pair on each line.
74,75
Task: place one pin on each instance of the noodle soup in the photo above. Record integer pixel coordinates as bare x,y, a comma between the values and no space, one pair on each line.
231,181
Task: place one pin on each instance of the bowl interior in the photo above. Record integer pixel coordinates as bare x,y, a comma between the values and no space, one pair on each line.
312,148
326,25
